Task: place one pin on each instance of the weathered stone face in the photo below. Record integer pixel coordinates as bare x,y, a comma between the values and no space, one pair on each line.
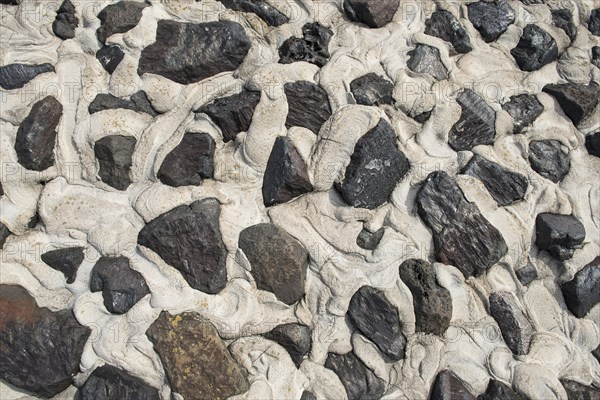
295,338
65,260
549,160
114,154
426,60
308,105
15,76
524,109
65,23
535,49
559,234
190,162
514,325
372,90
444,25
119,18
373,13
477,123
358,380
582,292
108,382
312,48
110,57
577,101
261,8
448,386
491,19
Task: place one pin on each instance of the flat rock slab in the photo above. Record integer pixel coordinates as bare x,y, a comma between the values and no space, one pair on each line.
577,101
524,109
65,260
583,291
559,234
373,13
497,390
563,18
110,57
15,76
279,262
66,21
491,19
111,383
514,325
313,47
188,237
535,49
448,386
369,240
261,8
444,25
461,235
114,154
426,59
547,158
197,362
477,123
187,53
592,144
578,391
372,90
358,380
295,338
119,18
190,162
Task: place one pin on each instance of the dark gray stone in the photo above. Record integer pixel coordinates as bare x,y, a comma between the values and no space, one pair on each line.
423,117
190,162
373,13
596,56
592,144
15,76
65,22
312,48
491,19
375,168
505,186
514,325
524,109
369,240
444,25
114,154
578,391
596,353
143,104
535,49
358,380
577,101
36,136
559,234
527,274
432,302
372,90
261,8
279,262
563,19
4,234
425,59
306,395
119,18
477,123
111,383
295,338
497,390
106,101
188,237
308,105
110,57
286,176
448,386
187,53
549,160
530,2
65,260
594,22
461,235
583,291
11,2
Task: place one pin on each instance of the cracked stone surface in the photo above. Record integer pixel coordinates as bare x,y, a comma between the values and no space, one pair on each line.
559,234
535,49
514,325
426,60
476,125
549,160
374,14
15,76
491,19
444,25
524,109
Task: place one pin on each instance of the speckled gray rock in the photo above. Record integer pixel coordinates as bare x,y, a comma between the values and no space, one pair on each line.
308,105
306,395
188,237
313,47
592,144
110,57
477,123
425,59
527,273
15,76
373,13
594,22
372,90
261,8
119,18
190,162
497,390
66,21
563,18
4,234
491,19
369,240
448,386
577,101
65,260
295,338
524,109
514,325
358,380
559,234
377,319
535,49
111,383
114,154
444,25
143,104
279,262
578,391
547,158
376,167
583,291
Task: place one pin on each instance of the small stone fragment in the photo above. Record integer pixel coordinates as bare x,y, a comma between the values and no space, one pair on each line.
477,123
373,13
524,109
596,56
563,19
295,338
308,105
423,117
110,57
312,48
65,23
583,291
535,49
114,154
111,383
306,395
577,101
369,240
594,22
106,101
491,19
549,160
279,262
527,274
15,76
358,380
448,386
190,162
497,390
514,325
65,260
445,26
4,234
143,104
119,18
578,391
372,90
592,144
596,353
559,234
426,59
261,8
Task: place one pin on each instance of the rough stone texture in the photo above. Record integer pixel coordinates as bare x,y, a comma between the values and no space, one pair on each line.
233,114
306,395
514,325
40,350
497,390
444,25
4,234
563,19
110,57
535,49
426,59
143,104
596,353
461,235
583,291
423,117
36,136
596,56
114,154
505,186
65,260
286,175
372,90
559,234
279,262
312,48
190,162
106,101
577,101
592,144
375,168
577,391
377,319
186,341
295,338
491,19
594,22
65,22
369,240
188,237
121,286
477,123
432,302
549,160
261,8
15,76
308,105
448,386
111,383
527,274
524,109
187,53
373,13
358,380
119,18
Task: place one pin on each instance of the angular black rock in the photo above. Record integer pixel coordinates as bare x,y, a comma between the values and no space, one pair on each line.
461,235
583,291
110,57
373,13
295,338
423,117
432,302
33,221
188,237
65,260
372,90
497,390
577,101
191,161
426,59
312,48
358,380
549,160
594,22
592,144
448,386
65,23
119,18
36,136
491,19
111,383
308,105
477,123
377,319
578,391
535,49
121,286
306,395
514,325
187,53
106,101
233,114
279,262
369,240
524,109
114,154
559,234
375,168
261,8
527,274
15,76
505,186
563,19
143,104
40,350
445,26
596,56
4,234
